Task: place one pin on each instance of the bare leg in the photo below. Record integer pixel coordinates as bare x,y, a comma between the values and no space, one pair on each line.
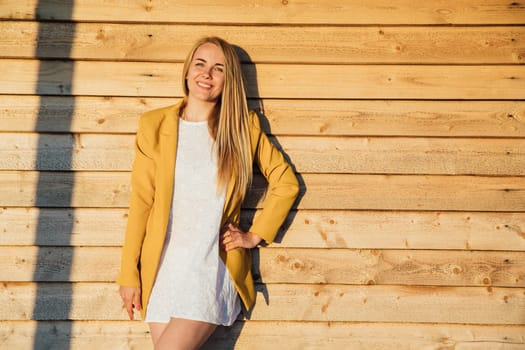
156,329
180,334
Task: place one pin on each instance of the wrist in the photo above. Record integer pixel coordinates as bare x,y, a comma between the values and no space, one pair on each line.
255,239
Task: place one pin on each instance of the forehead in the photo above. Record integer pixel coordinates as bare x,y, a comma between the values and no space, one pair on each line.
210,53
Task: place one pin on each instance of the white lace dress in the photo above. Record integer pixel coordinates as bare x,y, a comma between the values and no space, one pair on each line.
192,281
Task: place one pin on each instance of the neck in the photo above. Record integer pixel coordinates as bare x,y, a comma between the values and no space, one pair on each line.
197,111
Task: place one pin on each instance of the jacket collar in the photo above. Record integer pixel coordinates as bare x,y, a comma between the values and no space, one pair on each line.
170,121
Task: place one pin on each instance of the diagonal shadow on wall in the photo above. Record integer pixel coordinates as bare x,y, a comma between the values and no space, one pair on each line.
53,298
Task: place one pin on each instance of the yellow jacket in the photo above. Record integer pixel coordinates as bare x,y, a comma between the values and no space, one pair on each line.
151,195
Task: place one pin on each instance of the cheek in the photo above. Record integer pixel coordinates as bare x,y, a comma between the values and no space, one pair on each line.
221,84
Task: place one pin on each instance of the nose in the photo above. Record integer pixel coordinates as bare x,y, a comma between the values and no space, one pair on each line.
207,72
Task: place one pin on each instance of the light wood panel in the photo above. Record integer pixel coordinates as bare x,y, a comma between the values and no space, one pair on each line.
318,191
307,12
288,117
90,152
139,42
279,265
398,267
268,80
289,302
385,249
404,230
256,335
62,226
304,229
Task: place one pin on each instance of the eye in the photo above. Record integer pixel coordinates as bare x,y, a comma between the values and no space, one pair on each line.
199,64
219,69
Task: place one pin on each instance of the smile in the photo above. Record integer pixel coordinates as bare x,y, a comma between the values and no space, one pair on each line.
204,85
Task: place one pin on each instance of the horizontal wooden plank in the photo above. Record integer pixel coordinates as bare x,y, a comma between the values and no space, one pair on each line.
278,265
397,267
403,230
303,229
94,152
318,191
268,80
281,117
304,12
62,227
291,302
256,335
139,42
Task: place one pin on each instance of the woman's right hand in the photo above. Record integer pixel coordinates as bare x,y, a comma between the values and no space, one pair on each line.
131,298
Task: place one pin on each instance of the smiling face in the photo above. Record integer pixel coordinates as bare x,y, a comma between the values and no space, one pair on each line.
205,77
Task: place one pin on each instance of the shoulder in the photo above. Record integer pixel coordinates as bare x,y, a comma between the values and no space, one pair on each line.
155,119
254,122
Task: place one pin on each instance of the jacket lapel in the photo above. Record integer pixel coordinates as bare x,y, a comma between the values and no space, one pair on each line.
168,135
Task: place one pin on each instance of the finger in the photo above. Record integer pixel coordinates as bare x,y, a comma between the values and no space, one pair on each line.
233,228
136,301
235,243
129,309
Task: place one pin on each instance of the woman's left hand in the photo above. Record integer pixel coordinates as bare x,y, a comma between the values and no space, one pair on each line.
234,237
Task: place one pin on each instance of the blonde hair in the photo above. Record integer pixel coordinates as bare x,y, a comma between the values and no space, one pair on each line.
229,123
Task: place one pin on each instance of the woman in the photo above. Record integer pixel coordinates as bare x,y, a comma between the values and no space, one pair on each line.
185,262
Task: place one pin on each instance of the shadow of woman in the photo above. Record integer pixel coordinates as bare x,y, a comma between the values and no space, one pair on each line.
227,337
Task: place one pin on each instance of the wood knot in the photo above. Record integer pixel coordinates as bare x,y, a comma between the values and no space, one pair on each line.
324,308
297,265
100,35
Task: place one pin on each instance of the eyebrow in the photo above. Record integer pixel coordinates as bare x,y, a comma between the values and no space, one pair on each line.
203,60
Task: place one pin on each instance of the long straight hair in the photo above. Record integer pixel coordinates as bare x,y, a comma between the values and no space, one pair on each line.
229,122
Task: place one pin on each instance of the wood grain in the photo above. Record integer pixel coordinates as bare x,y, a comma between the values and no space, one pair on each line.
93,152
405,123
279,265
289,302
258,334
266,44
142,79
281,117
305,12
318,191
302,229
62,226
395,267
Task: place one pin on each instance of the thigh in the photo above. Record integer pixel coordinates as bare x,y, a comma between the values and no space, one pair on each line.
183,334
156,329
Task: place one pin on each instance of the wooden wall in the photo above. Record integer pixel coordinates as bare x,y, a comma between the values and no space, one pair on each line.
405,121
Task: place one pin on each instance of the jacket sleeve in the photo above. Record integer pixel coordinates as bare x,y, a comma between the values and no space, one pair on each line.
283,186
141,201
